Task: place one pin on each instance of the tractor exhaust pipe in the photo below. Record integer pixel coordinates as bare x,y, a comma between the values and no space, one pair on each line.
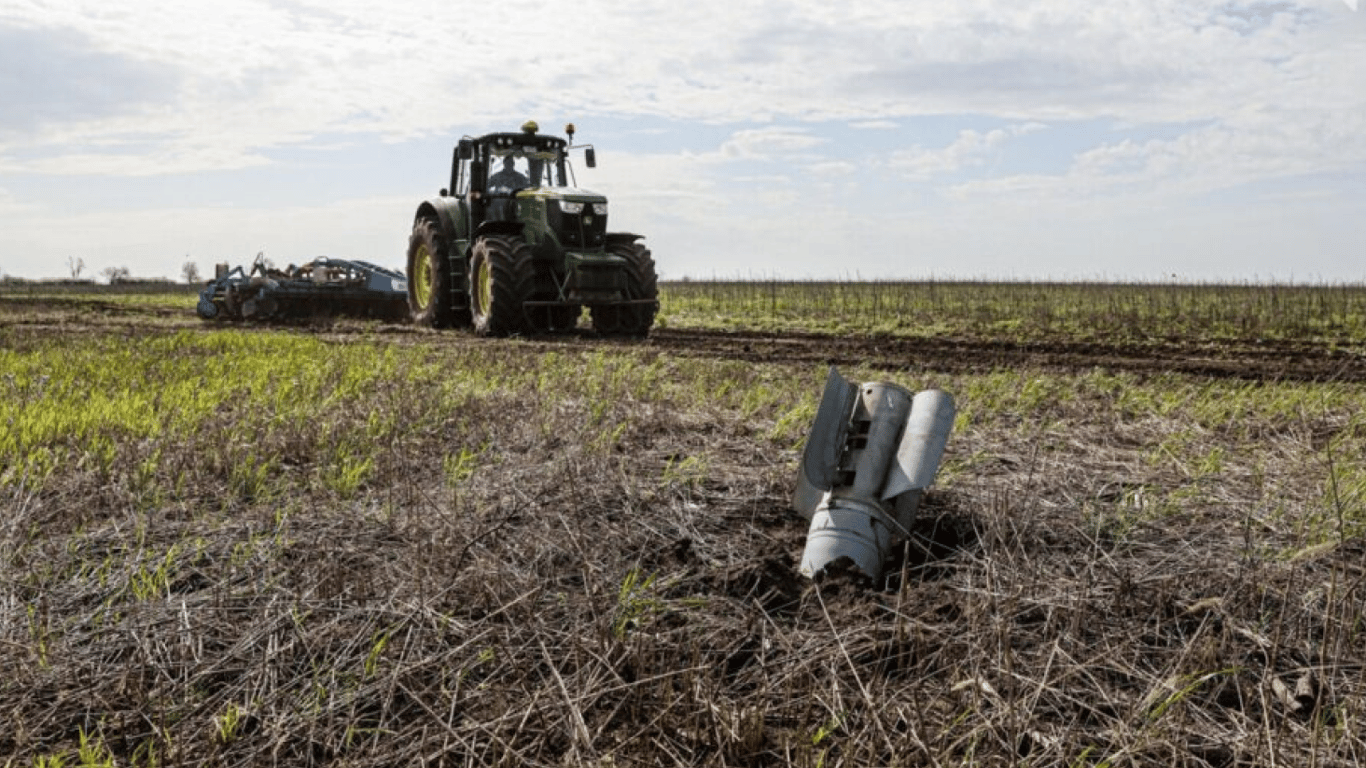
872,452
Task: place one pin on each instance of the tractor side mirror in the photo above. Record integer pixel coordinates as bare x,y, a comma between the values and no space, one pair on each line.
465,152
590,158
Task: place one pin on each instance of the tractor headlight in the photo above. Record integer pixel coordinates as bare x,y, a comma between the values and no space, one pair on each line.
600,209
573,209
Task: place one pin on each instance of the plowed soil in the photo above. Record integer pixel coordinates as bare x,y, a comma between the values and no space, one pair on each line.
1249,359
1257,361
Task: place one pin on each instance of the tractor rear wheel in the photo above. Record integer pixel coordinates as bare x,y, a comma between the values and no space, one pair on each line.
642,284
435,280
502,279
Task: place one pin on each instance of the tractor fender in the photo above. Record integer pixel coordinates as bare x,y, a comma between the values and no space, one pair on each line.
622,238
442,210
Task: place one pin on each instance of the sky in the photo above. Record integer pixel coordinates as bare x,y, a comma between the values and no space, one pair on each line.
1148,140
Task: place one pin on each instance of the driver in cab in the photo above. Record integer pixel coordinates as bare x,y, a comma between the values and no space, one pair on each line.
508,179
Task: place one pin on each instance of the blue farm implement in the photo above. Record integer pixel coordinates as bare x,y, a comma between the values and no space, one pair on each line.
322,287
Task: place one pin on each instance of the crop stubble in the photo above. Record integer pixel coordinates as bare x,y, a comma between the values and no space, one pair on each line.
1129,560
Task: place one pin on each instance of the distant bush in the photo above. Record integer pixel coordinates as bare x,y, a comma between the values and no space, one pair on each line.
151,282
16,280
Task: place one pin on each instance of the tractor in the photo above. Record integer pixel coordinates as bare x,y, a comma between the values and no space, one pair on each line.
513,246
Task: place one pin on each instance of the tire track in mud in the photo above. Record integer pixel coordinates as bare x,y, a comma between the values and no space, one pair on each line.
1262,361
1251,360
1255,361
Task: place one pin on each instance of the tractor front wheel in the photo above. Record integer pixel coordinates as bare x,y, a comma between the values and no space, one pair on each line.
501,281
642,284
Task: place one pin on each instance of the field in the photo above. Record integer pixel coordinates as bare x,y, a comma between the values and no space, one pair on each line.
350,543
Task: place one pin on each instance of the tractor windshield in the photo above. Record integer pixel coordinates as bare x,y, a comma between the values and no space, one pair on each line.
518,167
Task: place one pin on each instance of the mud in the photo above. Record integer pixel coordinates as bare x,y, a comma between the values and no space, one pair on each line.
1251,360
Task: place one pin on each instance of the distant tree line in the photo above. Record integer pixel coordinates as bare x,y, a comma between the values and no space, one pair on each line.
75,265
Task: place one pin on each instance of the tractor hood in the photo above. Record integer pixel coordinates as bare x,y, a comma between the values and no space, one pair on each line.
564,193
576,217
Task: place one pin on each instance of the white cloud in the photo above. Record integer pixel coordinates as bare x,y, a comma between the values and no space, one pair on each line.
768,143
1203,96
1258,146
969,149
8,203
832,168
254,74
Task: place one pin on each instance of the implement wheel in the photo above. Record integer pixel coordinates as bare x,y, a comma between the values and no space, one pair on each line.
501,280
641,283
435,280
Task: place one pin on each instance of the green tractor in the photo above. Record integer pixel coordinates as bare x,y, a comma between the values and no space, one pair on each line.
513,246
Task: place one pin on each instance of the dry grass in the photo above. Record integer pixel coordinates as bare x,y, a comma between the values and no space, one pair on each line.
1113,571
1333,313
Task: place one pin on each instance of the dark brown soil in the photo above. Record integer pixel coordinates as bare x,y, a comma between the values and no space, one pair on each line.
1248,359
1256,361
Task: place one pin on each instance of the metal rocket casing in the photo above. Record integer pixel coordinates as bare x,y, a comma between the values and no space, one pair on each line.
847,528
871,453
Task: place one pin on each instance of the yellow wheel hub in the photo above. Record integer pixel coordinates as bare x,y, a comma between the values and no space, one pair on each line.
483,280
422,277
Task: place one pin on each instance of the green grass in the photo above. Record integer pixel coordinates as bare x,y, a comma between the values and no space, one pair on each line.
83,404
237,410
251,413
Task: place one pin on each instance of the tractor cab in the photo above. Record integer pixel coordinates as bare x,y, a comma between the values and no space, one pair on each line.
489,171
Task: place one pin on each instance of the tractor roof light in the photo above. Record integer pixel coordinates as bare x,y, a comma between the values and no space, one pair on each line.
530,126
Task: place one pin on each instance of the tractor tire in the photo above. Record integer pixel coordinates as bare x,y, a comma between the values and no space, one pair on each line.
436,281
502,279
641,283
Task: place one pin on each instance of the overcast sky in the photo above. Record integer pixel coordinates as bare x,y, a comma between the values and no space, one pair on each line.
1063,139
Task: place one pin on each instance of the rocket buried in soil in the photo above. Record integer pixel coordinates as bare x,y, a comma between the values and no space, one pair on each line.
872,452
